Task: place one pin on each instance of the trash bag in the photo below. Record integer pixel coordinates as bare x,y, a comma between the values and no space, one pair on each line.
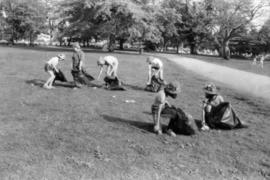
82,77
180,123
113,83
155,85
59,76
223,117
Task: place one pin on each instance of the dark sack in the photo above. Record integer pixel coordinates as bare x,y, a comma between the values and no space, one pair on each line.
82,77
59,76
155,86
222,116
113,83
179,122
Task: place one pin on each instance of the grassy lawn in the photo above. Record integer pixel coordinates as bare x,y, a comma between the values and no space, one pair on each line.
241,64
93,134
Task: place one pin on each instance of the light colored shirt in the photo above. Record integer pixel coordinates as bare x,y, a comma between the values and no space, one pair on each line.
157,63
111,61
216,101
53,62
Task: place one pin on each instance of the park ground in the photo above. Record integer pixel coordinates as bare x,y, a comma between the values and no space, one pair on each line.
94,134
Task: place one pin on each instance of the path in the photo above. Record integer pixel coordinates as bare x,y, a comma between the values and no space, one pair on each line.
253,84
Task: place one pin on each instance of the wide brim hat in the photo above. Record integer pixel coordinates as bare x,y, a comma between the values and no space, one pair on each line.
210,89
61,56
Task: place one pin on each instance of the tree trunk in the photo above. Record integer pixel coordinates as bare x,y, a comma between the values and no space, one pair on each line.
226,54
193,49
111,43
69,41
121,44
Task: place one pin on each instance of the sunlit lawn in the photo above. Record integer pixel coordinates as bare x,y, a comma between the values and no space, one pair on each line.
93,134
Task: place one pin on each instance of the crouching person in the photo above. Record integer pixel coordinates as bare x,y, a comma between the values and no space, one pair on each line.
216,113
111,79
51,69
170,90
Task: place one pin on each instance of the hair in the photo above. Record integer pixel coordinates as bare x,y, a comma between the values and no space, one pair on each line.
149,59
100,61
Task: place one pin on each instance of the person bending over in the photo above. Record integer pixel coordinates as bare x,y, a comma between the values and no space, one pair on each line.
155,68
111,63
51,68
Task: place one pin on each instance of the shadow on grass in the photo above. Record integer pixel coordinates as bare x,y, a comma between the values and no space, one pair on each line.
36,82
198,123
145,126
39,82
134,87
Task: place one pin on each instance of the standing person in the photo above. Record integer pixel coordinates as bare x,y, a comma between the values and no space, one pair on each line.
51,68
155,68
262,58
112,66
254,62
77,63
159,103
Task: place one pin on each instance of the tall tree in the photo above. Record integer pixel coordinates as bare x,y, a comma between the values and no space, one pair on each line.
25,18
231,17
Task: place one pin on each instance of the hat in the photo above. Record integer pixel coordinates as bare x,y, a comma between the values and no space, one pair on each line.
210,89
61,56
172,89
76,45
101,61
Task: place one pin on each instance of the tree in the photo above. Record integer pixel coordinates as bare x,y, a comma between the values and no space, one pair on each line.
231,17
25,19
196,23
167,21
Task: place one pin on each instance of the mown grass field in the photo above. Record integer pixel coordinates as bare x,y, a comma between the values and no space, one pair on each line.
93,134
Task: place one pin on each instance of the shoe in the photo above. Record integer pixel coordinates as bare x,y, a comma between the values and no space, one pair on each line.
171,133
157,130
46,86
241,125
205,128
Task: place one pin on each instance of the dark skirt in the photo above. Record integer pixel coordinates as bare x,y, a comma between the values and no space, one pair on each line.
222,116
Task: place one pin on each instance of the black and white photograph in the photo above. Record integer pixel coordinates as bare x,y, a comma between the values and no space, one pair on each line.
134,89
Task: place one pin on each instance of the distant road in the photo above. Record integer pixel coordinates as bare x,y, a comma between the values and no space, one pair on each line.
253,84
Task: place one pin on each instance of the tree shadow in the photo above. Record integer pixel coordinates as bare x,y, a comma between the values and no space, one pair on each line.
36,82
134,87
198,123
40,83
145,126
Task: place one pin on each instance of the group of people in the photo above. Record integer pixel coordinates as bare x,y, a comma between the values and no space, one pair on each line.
216,113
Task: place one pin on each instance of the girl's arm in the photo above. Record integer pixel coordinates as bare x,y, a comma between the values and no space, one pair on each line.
149,74
100,72
109,70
